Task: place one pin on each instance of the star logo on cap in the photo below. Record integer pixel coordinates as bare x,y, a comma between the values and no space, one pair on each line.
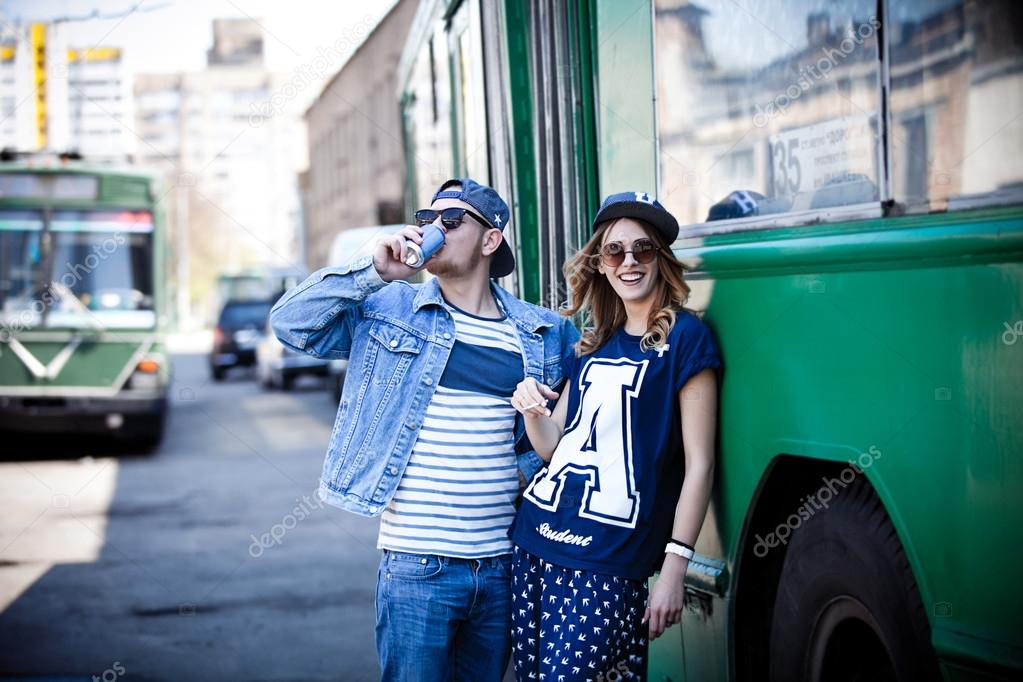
497,220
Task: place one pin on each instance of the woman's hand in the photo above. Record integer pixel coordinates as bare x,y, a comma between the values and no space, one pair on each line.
530,398
664,607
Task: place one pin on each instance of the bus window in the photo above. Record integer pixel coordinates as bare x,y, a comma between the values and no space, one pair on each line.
467,63
957,94
767,108
426,109
105,260
21,263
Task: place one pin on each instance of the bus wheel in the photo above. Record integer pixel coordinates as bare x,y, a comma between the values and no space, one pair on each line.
847,606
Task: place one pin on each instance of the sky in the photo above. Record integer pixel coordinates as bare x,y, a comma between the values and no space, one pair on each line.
168,36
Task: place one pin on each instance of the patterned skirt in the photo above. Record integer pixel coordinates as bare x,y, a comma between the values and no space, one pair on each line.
570,625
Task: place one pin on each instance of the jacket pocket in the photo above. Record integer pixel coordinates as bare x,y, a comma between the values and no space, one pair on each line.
377,408
552,371
392,351
395,339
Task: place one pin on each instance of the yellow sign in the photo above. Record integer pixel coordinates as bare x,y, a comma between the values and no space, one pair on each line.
94,54
39,79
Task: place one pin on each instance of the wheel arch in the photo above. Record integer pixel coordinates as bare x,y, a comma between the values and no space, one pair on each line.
781,490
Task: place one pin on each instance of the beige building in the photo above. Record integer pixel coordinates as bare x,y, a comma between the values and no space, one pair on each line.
231,160
356,159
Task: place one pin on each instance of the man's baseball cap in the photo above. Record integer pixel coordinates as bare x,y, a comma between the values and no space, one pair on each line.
489,204
641,206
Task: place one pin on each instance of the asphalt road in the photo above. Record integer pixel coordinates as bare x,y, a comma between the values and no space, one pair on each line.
210,559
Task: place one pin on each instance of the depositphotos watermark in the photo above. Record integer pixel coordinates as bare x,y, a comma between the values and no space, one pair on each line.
327,60
619,672
814,503
111,674
813,73
275,535
1012,333
59,288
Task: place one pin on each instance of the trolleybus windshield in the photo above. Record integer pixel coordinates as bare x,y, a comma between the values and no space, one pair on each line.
92,269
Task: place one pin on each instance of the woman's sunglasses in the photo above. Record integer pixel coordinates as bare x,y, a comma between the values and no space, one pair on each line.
643,250
449,217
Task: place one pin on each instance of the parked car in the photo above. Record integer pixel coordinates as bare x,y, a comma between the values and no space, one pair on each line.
346,247
278,366
240,326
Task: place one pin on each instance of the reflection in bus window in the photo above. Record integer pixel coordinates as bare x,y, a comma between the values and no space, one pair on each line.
95,268
104,259
21,263
957,100
472,115
776,101
426,110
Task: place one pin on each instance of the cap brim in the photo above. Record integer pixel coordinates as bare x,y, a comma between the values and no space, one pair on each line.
503,262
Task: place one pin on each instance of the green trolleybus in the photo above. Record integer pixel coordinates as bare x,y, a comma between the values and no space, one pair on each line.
849,178
82,301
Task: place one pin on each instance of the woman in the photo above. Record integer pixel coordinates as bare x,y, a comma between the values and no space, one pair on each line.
629,477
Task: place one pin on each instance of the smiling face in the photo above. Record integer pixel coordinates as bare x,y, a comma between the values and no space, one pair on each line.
634,282
465,246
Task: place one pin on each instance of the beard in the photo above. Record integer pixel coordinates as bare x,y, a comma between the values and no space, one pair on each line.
450,268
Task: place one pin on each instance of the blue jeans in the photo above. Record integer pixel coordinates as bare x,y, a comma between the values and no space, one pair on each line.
442,618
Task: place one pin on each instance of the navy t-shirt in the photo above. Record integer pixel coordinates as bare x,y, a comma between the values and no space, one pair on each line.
606,502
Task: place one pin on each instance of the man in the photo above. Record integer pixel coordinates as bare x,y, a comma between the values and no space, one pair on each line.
425,433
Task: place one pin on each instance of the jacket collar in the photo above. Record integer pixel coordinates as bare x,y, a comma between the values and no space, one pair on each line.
519,312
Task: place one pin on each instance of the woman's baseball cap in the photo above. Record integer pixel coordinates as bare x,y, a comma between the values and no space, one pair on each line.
489,204
641,206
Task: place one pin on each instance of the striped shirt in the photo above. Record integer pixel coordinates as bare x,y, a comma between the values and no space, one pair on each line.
457,495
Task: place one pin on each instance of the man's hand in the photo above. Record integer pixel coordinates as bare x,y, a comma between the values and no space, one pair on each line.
389,255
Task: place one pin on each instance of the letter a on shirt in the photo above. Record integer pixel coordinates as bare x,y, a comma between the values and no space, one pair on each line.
617,473
597,445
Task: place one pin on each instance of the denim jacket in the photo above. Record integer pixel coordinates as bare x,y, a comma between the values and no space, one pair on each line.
397,338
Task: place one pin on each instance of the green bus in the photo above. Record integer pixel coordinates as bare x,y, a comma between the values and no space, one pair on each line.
83,309
849,178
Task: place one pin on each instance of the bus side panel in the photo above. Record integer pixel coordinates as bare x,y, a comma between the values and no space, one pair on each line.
910,356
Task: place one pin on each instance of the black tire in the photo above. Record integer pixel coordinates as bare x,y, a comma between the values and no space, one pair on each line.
287,381
217,373
147,433
848,608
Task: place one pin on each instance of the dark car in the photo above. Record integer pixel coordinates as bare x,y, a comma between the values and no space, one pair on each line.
240,327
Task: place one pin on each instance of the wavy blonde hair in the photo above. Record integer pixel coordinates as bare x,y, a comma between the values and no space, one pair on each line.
603,311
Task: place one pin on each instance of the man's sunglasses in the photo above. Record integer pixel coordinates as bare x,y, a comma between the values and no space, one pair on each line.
643,250
449,217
